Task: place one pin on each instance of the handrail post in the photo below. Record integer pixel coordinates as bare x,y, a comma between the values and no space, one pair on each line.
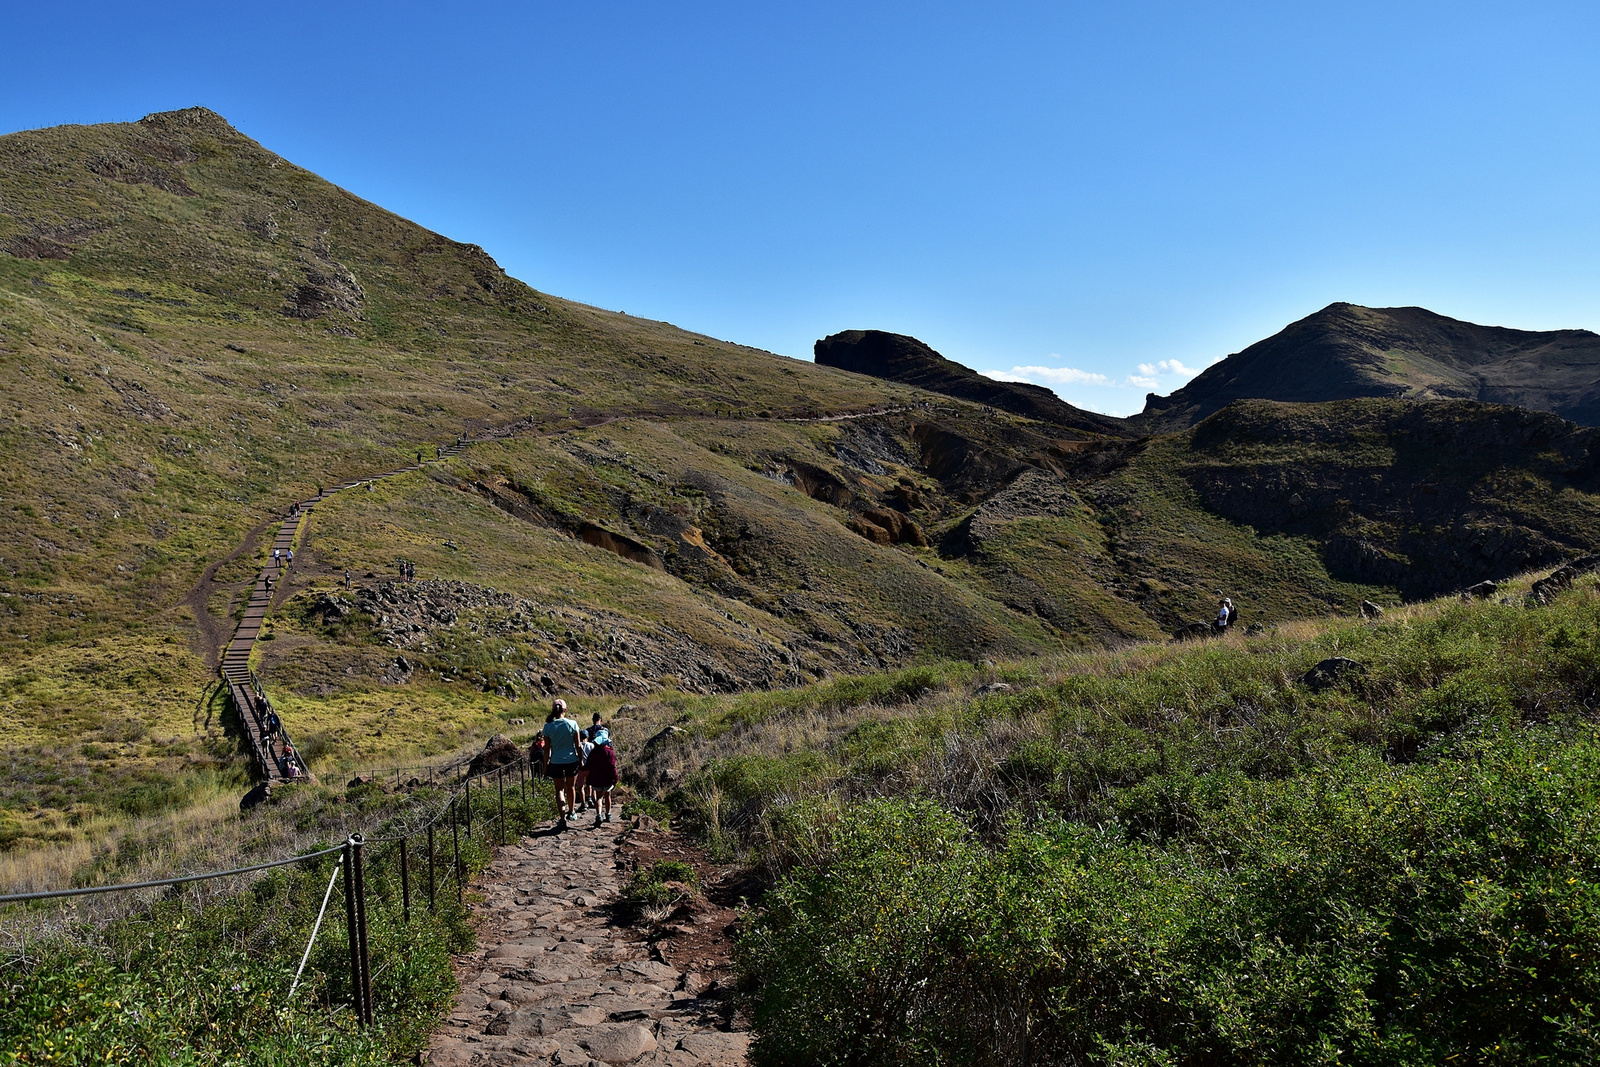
430,867
455,847
352,934
469,807
405,880
361,926
500,780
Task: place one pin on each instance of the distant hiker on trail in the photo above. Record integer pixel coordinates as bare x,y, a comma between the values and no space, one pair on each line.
274,724
580,783
275,557
347,579
1225,615
602,769
561,758
290,557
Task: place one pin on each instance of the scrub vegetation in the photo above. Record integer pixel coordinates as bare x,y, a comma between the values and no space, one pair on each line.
1177,854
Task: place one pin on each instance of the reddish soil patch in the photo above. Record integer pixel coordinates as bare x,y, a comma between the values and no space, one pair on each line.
699,934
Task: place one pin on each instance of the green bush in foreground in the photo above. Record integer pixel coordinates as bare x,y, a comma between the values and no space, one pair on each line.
1182,856
1361,914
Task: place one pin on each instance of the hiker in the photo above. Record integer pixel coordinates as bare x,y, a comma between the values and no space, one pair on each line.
275,557
561,757
274,724
1225,615
602,768
288,559
580,784
347,578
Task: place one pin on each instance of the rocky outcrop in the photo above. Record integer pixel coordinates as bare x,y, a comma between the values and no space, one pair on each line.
887,527
544,649
1560,580
500,751
898,358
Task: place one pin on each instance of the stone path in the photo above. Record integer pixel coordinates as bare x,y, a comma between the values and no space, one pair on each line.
557,978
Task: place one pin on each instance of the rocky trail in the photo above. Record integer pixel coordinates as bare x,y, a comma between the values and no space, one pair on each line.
559,976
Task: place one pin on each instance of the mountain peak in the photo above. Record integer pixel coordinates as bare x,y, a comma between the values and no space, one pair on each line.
1346,351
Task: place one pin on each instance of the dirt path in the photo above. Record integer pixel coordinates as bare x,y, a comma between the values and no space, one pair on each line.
560,978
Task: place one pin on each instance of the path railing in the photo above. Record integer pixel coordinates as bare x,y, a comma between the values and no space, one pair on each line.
455,811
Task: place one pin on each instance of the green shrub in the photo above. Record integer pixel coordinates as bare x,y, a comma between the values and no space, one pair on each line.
1363,913
649,886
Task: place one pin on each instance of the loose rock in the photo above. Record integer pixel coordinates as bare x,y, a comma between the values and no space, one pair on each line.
1329,672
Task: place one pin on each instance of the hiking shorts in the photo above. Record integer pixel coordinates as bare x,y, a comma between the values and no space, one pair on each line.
558,772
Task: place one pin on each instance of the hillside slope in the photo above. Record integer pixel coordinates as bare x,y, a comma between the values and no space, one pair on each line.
194,332
1346,351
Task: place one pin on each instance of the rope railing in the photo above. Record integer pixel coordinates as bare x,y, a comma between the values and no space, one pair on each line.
456,806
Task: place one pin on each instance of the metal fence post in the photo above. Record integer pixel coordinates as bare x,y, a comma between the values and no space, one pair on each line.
455,847
405,880
361,925
430,866
353,934
500,780
469,808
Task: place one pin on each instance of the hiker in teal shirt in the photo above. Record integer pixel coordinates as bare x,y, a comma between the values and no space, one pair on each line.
562,757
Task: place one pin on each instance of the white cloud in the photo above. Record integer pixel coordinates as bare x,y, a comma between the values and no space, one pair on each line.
1143,381
1172,366
1147,369
1051,376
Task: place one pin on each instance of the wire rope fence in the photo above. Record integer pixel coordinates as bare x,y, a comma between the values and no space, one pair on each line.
417,856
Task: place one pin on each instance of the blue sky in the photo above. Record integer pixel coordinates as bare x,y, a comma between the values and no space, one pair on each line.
1099,197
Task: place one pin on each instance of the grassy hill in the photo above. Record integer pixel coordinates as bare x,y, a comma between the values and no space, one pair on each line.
194,332
1347,351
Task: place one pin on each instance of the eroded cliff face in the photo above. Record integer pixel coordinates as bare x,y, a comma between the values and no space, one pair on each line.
1426,498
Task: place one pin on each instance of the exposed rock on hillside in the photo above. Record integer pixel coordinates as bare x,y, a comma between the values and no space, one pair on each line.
1346,351
539,649
1402,494
899,358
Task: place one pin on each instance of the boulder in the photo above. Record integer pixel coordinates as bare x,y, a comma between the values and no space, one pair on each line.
501,751
990,688
1193,631
1369,610
1481,591
616,1043
361,780
1329,672
256,797
1255,629
665,735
